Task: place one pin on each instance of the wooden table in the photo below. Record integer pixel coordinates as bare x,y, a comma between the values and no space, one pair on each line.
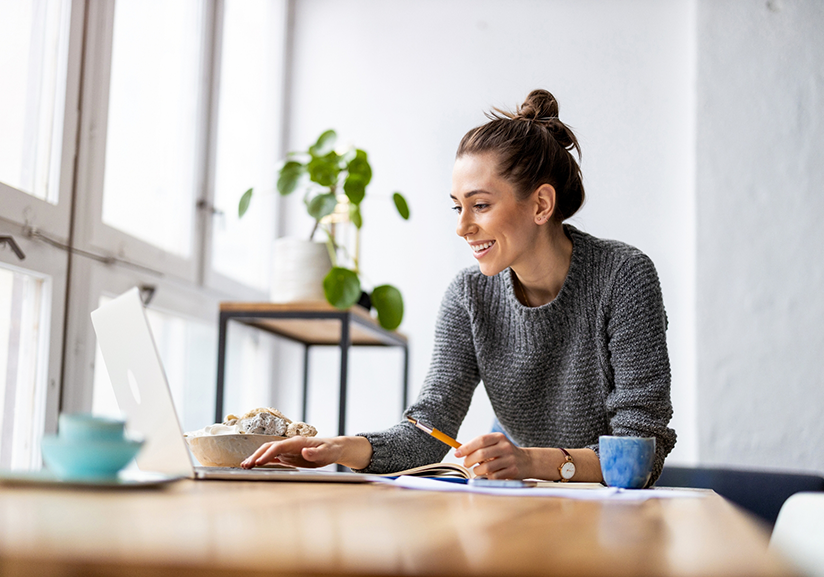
310,323
227,529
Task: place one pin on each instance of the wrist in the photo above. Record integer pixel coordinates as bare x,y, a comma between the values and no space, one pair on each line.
545,463
532,461
356,452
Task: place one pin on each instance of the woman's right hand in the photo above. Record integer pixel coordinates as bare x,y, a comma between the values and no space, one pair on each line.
355,452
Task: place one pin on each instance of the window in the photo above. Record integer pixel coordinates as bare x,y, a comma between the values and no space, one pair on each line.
34,44
248,139
24,330
152,139
180,109
38,100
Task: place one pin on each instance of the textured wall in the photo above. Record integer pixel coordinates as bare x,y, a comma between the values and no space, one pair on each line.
760,273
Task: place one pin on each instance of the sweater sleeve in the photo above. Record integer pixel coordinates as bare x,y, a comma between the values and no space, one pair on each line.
639,404
444,398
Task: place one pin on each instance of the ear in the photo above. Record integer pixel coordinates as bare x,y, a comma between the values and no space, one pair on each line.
544,197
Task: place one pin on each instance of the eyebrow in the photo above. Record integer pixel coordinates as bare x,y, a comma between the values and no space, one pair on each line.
470,193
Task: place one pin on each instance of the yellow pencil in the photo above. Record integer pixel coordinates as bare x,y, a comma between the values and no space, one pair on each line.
444,438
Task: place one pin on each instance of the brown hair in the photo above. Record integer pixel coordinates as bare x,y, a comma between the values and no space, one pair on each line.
533,147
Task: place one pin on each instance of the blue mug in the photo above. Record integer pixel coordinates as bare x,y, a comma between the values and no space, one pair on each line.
626,462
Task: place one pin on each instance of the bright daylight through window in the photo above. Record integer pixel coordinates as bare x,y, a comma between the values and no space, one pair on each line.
152,135
247,139
23,354
33,44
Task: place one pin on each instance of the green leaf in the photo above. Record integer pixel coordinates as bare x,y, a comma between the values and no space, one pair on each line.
243,205
400,204
347,156
360,167
289,177
325,144
388,301
324,169
355,188
322,205
355,215
341,287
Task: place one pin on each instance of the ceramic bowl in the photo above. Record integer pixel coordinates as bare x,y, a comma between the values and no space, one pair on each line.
88,458
226,450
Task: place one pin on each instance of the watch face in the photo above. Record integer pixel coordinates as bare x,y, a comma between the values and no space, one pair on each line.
567,470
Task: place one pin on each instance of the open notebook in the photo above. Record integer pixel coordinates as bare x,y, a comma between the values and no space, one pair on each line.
143,395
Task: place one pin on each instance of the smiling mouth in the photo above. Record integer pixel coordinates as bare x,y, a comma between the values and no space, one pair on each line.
477,248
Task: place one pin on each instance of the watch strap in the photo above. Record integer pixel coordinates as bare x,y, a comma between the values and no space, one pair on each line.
567,459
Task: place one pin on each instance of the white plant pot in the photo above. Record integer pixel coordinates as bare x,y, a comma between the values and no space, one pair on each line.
298,269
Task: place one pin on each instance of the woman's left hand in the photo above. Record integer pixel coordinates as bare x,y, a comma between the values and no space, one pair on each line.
494,456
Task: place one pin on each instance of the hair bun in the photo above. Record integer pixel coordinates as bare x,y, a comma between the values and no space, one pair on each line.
539,105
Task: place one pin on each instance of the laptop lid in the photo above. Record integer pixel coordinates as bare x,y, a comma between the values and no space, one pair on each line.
142,392
140,385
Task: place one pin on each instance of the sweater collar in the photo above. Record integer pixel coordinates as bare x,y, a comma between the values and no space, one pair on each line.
568,289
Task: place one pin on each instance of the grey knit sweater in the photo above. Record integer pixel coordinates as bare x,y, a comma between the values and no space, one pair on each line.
592,362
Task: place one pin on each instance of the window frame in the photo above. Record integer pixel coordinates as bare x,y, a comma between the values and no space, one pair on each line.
93,234
25,210
25,215
188,286
211,278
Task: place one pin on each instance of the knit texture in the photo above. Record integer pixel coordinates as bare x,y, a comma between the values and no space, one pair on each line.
591,362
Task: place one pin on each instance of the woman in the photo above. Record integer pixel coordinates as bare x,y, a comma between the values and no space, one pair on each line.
566,331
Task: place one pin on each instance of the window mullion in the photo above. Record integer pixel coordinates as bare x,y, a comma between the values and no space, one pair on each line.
206,208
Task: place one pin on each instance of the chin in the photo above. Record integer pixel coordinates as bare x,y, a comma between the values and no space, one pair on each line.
489,269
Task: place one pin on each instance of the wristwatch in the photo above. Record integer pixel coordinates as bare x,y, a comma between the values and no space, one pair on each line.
567,468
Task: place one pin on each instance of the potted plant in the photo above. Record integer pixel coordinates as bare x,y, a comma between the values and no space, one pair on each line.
335,186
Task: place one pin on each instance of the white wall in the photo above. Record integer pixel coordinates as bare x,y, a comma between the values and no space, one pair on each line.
760,134
405,80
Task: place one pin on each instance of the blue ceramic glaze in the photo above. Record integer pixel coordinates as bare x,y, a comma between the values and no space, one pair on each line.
88,447
87,459
86,427
626,462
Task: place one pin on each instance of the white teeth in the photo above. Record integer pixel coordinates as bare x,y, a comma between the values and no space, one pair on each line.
484,246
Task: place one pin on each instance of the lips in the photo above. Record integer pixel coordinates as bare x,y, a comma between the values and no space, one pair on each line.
481,248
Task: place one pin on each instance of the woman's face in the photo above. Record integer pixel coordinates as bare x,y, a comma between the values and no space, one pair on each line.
499,229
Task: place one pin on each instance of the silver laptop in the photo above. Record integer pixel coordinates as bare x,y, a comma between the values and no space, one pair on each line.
144,397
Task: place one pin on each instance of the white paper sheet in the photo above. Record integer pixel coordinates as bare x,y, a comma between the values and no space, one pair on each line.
590,493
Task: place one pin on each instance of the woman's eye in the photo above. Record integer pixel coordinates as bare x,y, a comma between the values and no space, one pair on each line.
480,206
457,209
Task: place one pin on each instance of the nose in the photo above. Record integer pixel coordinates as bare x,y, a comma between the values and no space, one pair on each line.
465,225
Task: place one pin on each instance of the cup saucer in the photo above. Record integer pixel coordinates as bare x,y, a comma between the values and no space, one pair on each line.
88,458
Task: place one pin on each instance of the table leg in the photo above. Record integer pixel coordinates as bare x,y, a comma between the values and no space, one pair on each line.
345,342
305,383
221,367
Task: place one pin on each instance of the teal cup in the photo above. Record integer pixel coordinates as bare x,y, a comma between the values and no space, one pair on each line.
88,447
626,462
84,427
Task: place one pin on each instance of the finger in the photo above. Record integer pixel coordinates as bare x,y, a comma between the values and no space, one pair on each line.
478,443
249,461
487,453
502,468
265,454
268,452
506,473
